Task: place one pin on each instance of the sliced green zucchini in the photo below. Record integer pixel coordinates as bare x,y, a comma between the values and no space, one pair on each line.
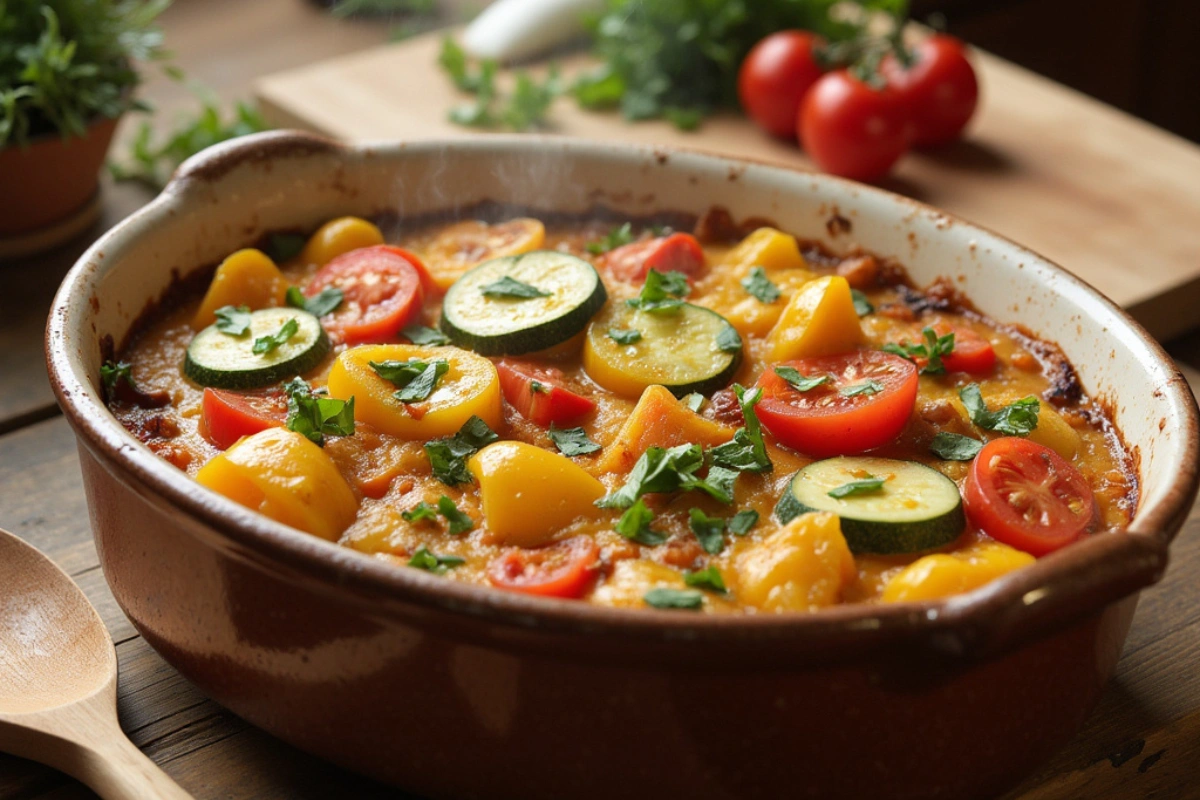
917,508
691,349
488,311
225,361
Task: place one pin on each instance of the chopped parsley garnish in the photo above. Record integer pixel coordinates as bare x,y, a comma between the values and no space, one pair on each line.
634,525
801,383
448,456
759,286
111,373
416,378
316,417
620,336
747,450
419,512
459,522
708,578
324,302
537,387
865,388
710,531
233,320
955,447
862,306
1016,419
932,351
862,486
423,559
685,599
285,246
614,239
661,292
671,470
513,288
729,340
572,441
694,401
268,344
425,336
741,522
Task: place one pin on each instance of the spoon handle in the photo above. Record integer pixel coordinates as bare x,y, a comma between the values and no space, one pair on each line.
117,770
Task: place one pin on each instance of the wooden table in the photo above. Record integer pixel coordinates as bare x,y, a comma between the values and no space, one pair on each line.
1142,741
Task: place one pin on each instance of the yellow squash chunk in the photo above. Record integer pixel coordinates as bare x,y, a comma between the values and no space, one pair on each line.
819,320
768,248
659,420
1052,430
471,242
803,566
943,575
284,476
630,580
246,278
529,494
747,313
338,237
469,388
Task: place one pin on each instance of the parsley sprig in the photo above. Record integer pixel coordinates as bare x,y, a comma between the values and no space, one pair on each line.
430,562
866,485
323,302
416,379
315,416
759,286
932,350
746,451
510,287
448,456
233,320
1016,419
670,470
617,237
661,293
264,345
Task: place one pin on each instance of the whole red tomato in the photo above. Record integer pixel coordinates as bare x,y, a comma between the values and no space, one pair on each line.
775,76
853,129
939,88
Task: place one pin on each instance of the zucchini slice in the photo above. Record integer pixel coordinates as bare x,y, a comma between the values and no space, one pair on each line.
694,349
566,293
225,361
917,508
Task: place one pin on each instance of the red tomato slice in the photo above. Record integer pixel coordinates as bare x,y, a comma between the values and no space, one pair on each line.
825,422
537,395
228,416
679,252
427,282
563,569
1027,496
383,293
972,353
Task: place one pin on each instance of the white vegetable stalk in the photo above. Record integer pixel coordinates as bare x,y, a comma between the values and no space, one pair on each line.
514,30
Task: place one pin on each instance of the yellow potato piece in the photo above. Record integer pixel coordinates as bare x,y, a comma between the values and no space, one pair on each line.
469,388
460,247
631,578
338,237
943,575
751,316
1052,430
246,278
284,476
659,420
768,248
529,494
819,320
803,566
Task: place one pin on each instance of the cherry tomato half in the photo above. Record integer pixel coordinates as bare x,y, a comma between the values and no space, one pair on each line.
382,289
972,353
940,89
228,416
563,569
679,252
537,394
851,129
775,76
825,421
1027,496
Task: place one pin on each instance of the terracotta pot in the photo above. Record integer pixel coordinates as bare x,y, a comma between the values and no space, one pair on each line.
456,690
51,178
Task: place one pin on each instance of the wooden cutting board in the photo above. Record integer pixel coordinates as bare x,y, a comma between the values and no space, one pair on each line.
1110,197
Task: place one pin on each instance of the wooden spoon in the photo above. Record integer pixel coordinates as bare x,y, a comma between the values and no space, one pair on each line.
58,681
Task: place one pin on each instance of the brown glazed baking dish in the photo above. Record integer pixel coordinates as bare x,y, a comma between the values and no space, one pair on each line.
455,690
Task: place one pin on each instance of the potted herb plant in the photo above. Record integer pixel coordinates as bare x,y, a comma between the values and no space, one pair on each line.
66,77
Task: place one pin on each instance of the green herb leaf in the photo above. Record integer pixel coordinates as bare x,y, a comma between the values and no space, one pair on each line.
112,373
529,102
862,306
448,456
572,441
419,512
316,417
759,286
598,89
426,337
459,522
801,383
615,238
717,484
634,525
741,522
708,578
729,340
324,302
710,531
658,470
268,344
862,486
932,351
747,450
624,336
684,599
955,447
417,379
694,401
233,320
685,119
423,559
1017,419
661,292
511,287
865,388
283,247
